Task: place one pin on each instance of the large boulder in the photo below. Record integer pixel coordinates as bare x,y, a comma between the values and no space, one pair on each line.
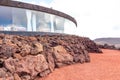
29,65
61,56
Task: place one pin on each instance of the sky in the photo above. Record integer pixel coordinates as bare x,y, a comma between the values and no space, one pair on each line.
95,18
39,2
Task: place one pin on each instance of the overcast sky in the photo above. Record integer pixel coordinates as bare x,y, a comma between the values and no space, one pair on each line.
95,18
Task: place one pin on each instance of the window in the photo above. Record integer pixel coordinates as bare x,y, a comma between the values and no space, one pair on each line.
59,24
5,17
43,22
19,19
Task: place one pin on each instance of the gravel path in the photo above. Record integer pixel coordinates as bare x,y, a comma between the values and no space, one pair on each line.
104,66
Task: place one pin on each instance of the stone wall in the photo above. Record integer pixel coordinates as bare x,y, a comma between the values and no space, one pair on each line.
108,46
28,57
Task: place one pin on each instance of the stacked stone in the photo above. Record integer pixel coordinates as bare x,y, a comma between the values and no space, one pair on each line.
107,46
28,57
88,44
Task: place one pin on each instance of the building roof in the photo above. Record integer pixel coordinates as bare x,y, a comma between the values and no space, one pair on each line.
36,8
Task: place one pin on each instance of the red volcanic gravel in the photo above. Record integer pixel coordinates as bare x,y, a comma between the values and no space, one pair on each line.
104,66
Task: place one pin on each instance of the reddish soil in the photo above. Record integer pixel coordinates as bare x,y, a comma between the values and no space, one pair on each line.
104,66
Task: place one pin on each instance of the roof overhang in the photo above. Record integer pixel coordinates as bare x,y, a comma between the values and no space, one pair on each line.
18,4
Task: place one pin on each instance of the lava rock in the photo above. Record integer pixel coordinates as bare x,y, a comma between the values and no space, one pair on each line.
61,56
29,57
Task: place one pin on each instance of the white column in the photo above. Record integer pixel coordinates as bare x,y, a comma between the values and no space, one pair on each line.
51,21
29,26
34,22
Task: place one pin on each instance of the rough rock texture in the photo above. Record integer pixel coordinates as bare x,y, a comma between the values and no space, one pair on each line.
74,42
28,57
61,56
90,46
107,46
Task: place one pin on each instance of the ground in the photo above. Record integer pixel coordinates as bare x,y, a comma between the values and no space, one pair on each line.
105,66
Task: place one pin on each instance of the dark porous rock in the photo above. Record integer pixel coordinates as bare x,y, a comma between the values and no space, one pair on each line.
37,48
25,77
29,57
17,56
108,46
2,72
48,53
51,61
32,65
7,39
90,45
118,48
10,64
16,76
87,57
7,50
61,56
25,49
44,73
5,75
79,58
1,62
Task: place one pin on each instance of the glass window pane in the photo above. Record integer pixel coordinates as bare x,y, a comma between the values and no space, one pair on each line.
43,22
5,17
59,24
19,19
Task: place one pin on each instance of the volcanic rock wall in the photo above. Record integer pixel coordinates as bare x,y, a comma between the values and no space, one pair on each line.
107,46
71,40
28,57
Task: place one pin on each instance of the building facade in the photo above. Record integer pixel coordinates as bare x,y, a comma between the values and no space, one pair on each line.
22,16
